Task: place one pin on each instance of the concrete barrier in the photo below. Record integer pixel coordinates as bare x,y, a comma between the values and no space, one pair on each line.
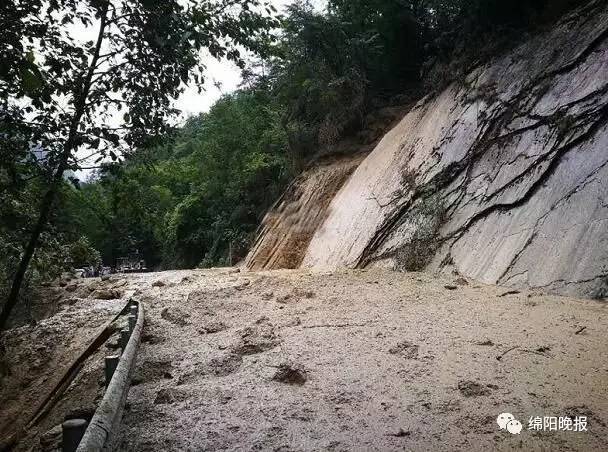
103,428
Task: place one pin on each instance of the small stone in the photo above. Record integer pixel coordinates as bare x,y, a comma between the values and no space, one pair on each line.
105,294
159,283
283,299
472,389
72,301
401,433
451,287
290,374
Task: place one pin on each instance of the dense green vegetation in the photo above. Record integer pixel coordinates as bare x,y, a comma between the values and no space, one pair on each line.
194,195
192,198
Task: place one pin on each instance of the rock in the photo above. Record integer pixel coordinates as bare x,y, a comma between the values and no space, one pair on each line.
401,433
159,283
523,185
71,288
290,374
106,294
284,241
472,389
461,282
105,277
451,287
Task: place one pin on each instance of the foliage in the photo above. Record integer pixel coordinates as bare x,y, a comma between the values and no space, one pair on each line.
329,65
196,197
465,33
60,245
58,93
82,254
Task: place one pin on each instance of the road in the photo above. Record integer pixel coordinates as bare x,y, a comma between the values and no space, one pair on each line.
361,360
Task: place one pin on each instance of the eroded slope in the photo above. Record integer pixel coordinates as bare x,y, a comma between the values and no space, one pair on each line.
503,178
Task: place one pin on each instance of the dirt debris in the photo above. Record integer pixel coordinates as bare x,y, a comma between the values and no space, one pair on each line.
291,374
473,389
318,369
175,315
405,349
318,375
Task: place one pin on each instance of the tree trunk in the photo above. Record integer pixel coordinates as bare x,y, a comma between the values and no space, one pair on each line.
49,197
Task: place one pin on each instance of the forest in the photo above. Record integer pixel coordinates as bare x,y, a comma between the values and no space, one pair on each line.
193,195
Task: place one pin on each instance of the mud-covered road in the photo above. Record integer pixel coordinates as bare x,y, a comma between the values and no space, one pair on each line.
364,360
296,360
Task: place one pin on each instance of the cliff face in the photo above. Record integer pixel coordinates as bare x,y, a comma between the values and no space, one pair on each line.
503,178
289,226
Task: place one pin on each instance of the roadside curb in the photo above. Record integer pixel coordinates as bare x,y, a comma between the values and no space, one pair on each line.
101,432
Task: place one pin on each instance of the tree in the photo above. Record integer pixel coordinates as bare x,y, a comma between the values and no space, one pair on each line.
197,198
60,94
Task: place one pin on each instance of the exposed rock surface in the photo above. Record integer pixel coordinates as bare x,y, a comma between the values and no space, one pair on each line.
503,177
289,226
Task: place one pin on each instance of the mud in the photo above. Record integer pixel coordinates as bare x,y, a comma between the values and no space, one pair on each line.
370,360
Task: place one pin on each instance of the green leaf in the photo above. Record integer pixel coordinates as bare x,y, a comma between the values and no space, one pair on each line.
31,82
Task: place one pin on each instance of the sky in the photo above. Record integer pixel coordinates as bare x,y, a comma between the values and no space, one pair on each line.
221,77
226,73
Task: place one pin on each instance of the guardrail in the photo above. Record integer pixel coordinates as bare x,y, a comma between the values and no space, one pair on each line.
100,435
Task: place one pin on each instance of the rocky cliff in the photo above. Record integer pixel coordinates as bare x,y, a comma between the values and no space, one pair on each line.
502,177
289,226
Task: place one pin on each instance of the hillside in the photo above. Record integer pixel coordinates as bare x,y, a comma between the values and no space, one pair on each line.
391,233
502,177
